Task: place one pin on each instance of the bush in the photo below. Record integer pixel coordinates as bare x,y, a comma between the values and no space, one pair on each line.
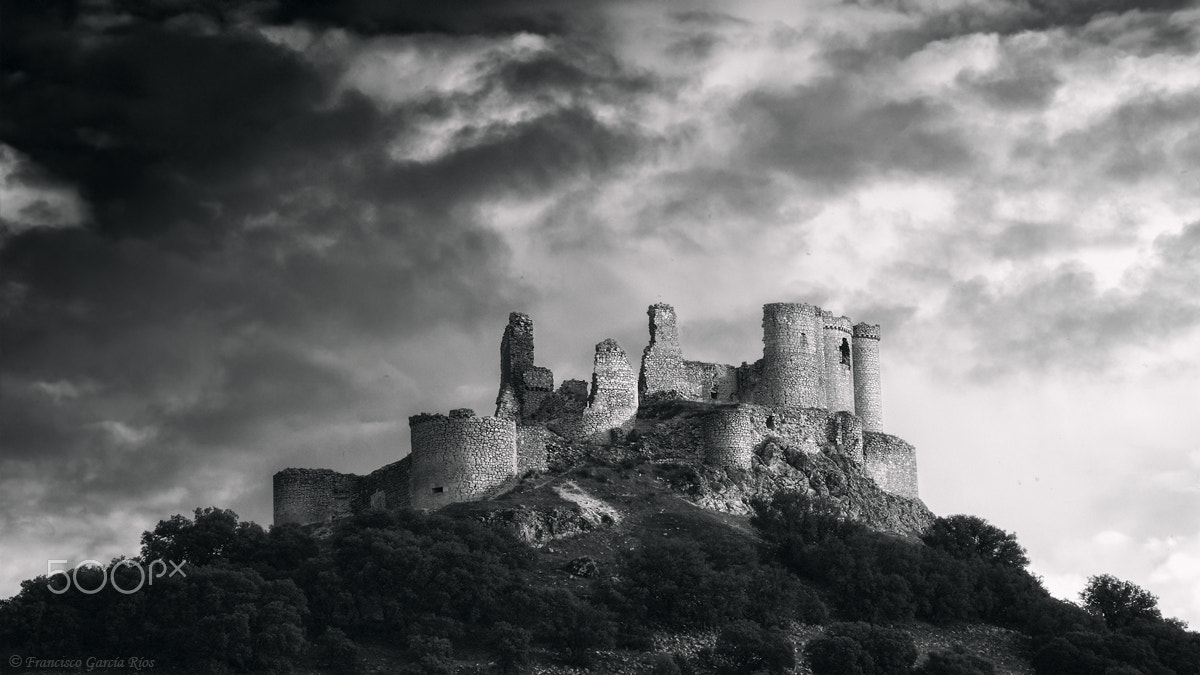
837,655
1119,603
746,647
957,661
337,653
664,664
892,651
574,625
973,538
511,646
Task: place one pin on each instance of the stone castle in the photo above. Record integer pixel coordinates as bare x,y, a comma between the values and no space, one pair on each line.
818,378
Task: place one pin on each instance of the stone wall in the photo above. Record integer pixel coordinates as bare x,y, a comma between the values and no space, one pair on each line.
387,487
868,394
891,462
312,495
613,400
712,381
532,453
839,373
729,439
792,358
662,360
461,458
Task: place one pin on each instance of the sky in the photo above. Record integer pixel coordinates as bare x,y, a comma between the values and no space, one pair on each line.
242,236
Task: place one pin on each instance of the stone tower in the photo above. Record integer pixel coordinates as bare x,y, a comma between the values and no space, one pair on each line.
662,360
460,458
791,360
516,356
839,374
868,396
728,438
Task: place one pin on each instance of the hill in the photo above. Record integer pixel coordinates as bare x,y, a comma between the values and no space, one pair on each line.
625,556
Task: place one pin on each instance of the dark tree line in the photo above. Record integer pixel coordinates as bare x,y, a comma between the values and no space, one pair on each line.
257,600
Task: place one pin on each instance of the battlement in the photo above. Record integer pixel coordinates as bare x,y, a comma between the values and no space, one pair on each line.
866,330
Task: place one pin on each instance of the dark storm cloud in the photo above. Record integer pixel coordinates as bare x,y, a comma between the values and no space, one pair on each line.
831,134
1015,16
249,233
458,17
1063,321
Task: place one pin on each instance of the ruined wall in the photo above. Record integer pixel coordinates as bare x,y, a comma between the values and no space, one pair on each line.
532,452
385,488
613,400
312,495
662,360
712,381
459,458
728,437
791,360
537,385
839,373
891,462
868,395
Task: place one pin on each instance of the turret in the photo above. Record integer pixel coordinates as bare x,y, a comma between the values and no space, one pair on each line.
839,374
791,361
868,395
459,458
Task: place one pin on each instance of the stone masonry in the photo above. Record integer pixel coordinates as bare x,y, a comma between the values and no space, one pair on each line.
613,399
891,463
868,395
460,458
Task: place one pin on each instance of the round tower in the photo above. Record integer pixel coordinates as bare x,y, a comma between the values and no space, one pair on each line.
459,458
868,396
728,438
791,361
839,373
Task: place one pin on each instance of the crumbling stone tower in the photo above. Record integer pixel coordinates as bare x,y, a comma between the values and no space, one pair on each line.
613,400
839,367
523,386
662,360
792,359
868,395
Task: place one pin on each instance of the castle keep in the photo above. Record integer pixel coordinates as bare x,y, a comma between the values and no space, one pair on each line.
816,386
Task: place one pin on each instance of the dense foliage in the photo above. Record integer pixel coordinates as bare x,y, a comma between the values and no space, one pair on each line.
966,570
427,588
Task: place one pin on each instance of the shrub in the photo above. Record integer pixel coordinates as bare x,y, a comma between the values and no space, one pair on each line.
511,646
892,651
337,653
746,647
1119,603
973,538
838,655
957,661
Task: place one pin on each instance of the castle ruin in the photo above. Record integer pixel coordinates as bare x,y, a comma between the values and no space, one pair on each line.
816,385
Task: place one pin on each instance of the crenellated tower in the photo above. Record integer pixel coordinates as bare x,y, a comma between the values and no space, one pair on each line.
839,372
868,395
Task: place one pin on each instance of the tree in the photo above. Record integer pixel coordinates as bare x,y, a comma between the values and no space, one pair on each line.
973,538
746,647
1119,603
